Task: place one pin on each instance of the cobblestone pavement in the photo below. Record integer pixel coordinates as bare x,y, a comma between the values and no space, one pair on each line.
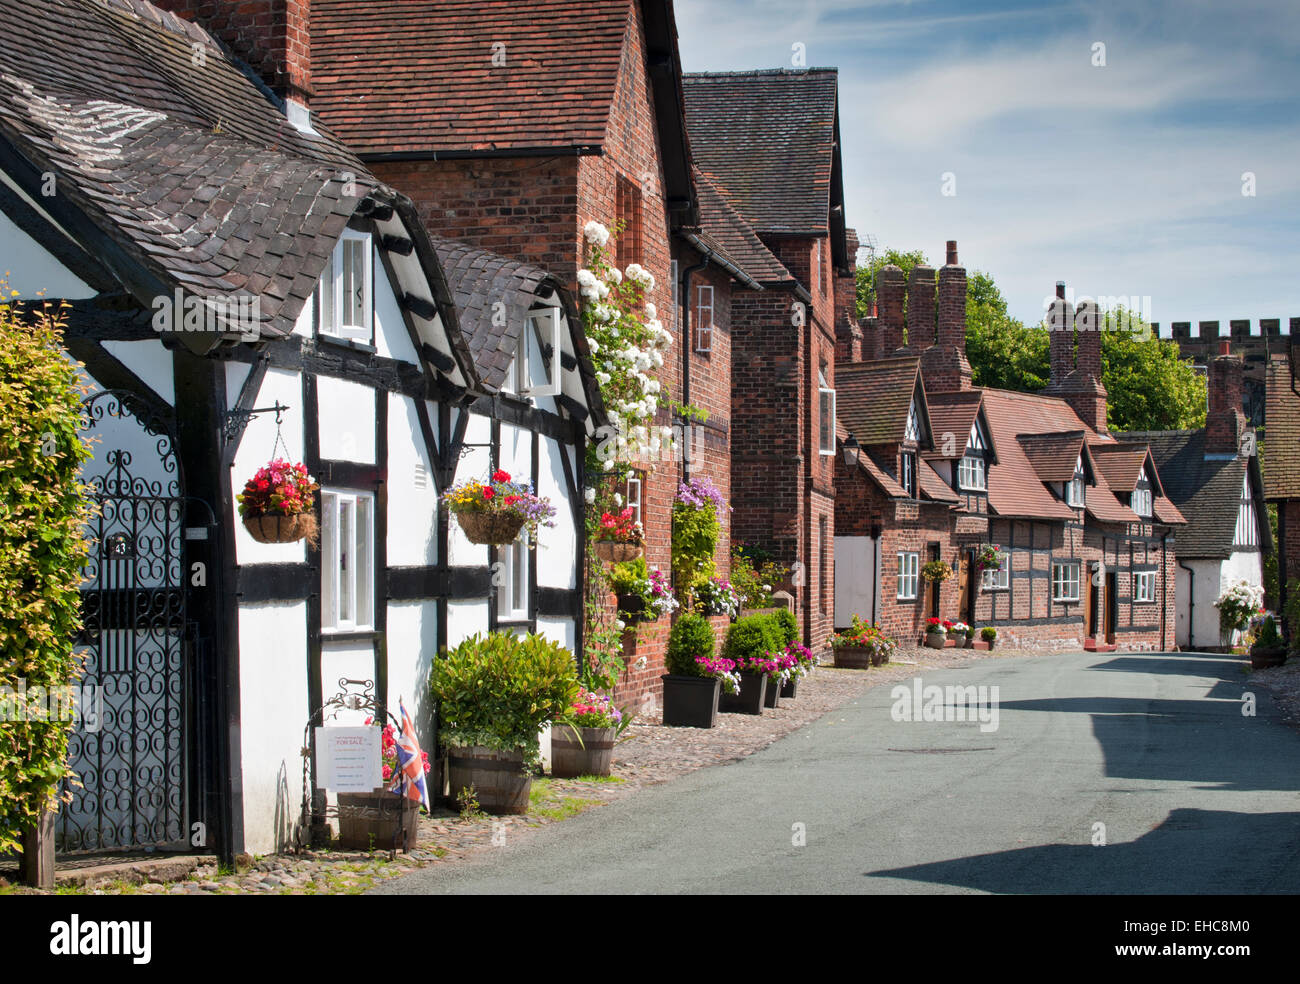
649,754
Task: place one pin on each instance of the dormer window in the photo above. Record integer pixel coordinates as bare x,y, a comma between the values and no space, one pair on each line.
1247,532
535,370
825,413
970,469
1140,502
907,473
345,295
913,430
1074,488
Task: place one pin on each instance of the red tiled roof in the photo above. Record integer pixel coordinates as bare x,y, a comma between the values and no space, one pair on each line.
932,486
1013,485
396,76
1281,459
1121,464
1167,512
768,137
872,398
1053,456
954,413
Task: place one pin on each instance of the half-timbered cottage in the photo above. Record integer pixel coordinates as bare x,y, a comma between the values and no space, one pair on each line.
241,287
932,468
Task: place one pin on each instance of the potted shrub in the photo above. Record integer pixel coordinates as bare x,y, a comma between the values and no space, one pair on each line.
643,594
936,633
695,678
376,820
861,646
1239,603
278,503
1269,649
779,667
494,512
989,635
619,537
936,570
749,642
582,740
494,693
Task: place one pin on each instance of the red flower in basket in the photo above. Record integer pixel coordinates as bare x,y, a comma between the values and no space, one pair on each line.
488,492
500,476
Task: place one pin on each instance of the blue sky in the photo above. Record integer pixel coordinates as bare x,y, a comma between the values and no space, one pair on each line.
1124,180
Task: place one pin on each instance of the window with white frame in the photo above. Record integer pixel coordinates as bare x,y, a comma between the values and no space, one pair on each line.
999,579
633,496
1074,493
703,318
825,413
345,294
912,432
1065,581
1144,586
1247,532
970,473
536,368
907,473
347,560
512,592
1142,502
908,574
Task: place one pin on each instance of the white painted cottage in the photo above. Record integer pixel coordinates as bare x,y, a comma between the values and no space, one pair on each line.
226,266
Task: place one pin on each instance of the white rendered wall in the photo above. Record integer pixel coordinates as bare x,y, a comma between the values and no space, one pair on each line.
346,415
557,549
151,362
273,712
412,645
392,340
464,619
32,270
412,509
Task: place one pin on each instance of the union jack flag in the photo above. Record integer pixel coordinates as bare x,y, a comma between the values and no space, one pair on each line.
409,778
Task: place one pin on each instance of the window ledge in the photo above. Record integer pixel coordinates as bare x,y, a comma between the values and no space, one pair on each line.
348,635
347,343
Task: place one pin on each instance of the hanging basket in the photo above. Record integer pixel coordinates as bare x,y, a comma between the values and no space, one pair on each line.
613,552
275,528
493,528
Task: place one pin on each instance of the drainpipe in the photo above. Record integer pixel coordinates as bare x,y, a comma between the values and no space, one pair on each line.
1191,603
684,300
1164,609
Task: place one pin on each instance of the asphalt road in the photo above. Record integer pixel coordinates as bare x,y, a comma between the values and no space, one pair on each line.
1194,796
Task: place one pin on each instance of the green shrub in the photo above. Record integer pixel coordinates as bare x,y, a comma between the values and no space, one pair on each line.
690,638
630,577
43,516
988,633
498,690
1269,637
753,637
788,624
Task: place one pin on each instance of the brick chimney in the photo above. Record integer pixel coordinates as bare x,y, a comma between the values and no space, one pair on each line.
1060,329
1225,422
890,287
273,36
920,308
945,367
848,329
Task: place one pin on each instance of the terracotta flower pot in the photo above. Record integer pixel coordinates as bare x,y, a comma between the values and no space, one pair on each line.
491,528
936,640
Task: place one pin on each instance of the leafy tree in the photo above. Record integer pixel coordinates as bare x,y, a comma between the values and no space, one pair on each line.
1150,386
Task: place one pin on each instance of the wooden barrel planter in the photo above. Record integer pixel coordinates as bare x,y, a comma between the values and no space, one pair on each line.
581,751
491,528
753,692
1261,658
275,528
690,701
612,552
378,821
498,779
852,657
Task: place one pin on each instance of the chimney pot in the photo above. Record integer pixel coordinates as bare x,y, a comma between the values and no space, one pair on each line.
952,252
1225,348
1060,289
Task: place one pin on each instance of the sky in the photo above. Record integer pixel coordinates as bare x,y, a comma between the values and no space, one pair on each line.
1125,179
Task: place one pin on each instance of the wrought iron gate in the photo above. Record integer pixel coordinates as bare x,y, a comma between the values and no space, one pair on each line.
132,767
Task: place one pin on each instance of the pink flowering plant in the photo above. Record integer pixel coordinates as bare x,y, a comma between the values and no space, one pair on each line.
388,752
280,488
715,596
722,668
802,659
592,710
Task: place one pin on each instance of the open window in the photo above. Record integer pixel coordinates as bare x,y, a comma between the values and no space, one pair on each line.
825,413
512,593
536,368
347,561
345,294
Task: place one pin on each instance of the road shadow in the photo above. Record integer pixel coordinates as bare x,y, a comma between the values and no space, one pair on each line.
1189,664
1201,852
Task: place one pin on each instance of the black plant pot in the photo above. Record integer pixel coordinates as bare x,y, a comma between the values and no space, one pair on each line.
691,701
634,608
753,691
772,694
788,688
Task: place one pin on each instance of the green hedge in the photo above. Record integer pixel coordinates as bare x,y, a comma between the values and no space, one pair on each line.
43,516
788,623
